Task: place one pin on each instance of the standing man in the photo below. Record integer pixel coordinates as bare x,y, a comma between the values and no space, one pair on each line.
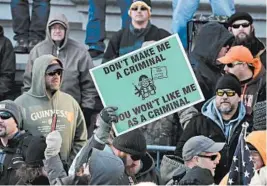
14,142
7,65
29,30
220,120
137,34
241,26
76,63
44,103
250,72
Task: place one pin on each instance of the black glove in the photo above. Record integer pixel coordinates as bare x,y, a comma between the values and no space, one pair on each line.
107,116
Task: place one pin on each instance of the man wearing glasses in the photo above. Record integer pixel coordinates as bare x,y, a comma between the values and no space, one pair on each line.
76,62
241,26
46,108
14,142
201,155
139,32
221,120
250,72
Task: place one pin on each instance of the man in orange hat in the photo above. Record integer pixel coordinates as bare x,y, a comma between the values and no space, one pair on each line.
250,72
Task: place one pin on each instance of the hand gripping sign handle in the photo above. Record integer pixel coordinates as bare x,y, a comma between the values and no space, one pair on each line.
54,122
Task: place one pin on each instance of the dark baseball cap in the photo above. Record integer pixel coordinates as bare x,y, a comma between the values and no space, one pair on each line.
53,67
198,144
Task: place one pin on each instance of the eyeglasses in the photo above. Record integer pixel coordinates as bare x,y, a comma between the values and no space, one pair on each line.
244,25
58,72
135,157
231,65
212,158
229,93
5,115
142,8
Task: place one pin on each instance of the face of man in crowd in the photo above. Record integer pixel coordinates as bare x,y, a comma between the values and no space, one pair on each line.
53,79
207,162
57,32
7,124
139,14
257,160
132,166
241,29
226,103
237,68
223,51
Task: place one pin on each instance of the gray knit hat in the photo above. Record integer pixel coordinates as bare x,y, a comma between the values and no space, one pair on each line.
12,108
259,116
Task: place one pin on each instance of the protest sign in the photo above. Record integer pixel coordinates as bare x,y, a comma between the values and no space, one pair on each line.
147,84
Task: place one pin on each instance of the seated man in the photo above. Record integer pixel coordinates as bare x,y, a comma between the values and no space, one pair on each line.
139,32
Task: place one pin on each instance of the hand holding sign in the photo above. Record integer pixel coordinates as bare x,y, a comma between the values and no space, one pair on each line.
53,144
107,116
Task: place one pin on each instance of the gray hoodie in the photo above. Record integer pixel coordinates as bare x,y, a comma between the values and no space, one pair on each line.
76,62
38,108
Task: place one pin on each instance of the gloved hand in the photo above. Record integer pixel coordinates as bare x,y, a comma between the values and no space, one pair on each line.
53,144
107,116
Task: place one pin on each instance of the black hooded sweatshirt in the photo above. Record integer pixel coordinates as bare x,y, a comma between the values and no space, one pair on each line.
211,38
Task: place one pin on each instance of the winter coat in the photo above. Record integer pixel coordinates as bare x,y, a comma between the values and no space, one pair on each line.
211,125
76,64
129,39
212,37
197,176
38,108
7,65
12,157
254,90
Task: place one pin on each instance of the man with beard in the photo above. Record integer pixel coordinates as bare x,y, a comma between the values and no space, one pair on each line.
250,72
241,26
14,142
221,120
130,147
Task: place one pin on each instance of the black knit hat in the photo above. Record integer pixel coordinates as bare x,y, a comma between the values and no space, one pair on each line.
239,16
35,152
133,143
229,81
259,116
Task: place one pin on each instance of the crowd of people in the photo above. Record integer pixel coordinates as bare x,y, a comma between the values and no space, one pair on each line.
48,136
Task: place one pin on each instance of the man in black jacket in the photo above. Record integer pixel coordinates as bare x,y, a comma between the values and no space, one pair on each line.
14,142
241,26
212,42
140,32
7,65
221,120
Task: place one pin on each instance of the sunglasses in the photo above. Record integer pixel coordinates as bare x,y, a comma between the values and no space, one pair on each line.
229,93
5,115
244,25
58,72
135,157
142,8
212,158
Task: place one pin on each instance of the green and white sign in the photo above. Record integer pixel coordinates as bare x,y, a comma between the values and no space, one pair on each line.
147,84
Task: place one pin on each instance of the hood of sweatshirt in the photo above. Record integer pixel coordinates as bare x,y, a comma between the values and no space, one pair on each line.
258,140
38,88
61,19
